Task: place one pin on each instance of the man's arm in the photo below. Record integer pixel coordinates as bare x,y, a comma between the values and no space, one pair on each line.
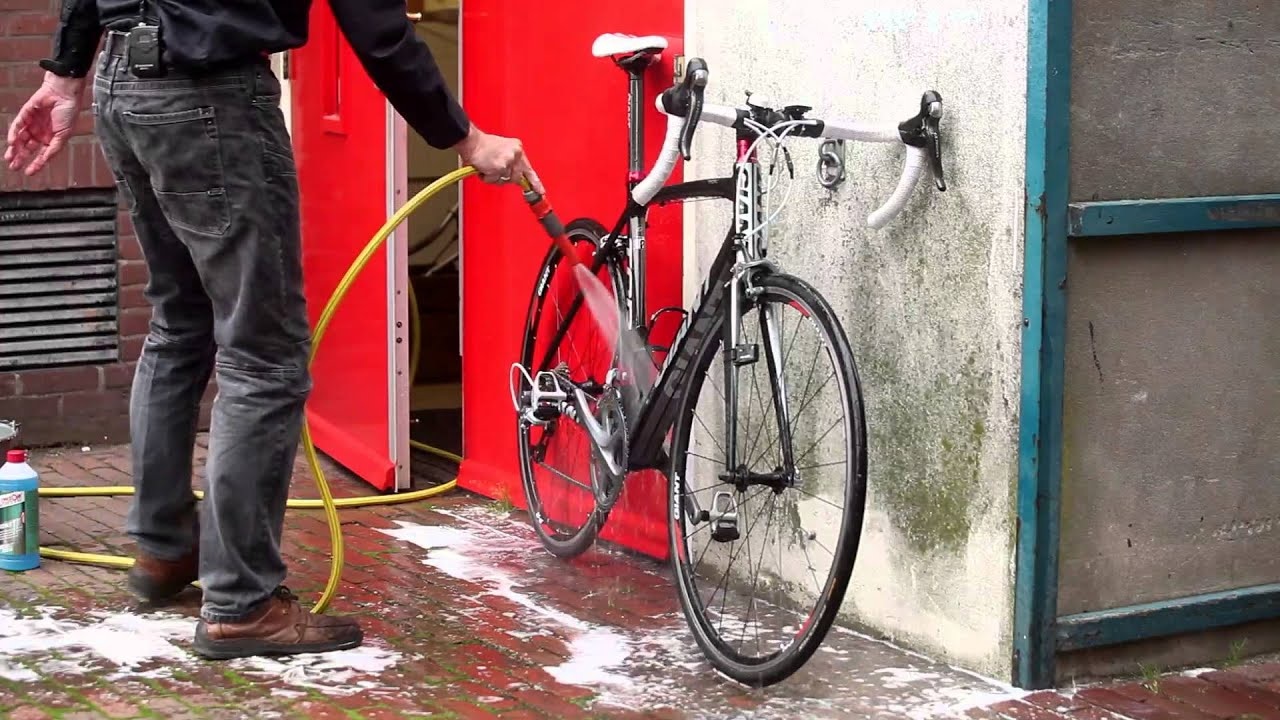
75,40
402,67
45,123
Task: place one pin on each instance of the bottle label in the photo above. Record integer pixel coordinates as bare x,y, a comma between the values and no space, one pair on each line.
17,523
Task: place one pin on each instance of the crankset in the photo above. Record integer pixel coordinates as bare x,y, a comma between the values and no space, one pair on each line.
609,459
544,398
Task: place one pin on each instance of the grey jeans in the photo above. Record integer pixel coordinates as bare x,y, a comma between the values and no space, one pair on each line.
205,167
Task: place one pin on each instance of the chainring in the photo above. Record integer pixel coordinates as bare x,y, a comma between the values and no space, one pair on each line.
606,485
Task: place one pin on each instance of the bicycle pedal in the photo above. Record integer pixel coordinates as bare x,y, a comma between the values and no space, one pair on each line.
725,531
745,354
724,518
541,403
545,413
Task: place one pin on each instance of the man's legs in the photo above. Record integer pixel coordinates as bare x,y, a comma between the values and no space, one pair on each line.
220,168
172,374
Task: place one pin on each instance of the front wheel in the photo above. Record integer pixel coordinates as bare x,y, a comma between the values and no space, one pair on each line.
768,467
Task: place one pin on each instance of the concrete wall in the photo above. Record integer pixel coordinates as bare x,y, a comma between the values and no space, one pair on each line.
932,304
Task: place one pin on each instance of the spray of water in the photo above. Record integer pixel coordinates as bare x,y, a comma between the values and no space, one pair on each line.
599,302
633,356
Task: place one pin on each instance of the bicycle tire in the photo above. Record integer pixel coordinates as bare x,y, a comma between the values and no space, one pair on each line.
784,663
575,543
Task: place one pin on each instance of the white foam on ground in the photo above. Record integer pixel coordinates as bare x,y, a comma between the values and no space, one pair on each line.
127,646
342,672
595,651
127,642
642,669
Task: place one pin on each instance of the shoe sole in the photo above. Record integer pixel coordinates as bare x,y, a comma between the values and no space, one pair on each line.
251,647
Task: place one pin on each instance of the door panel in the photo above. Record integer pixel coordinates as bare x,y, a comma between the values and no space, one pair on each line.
528,72
347,172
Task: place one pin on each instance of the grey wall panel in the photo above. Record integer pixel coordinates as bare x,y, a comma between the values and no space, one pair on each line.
1174,98
1171,477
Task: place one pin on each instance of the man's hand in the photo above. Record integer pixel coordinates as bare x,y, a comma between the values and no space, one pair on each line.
498,159
45,123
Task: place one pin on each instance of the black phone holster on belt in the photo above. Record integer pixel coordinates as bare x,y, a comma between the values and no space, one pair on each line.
144,46
144,51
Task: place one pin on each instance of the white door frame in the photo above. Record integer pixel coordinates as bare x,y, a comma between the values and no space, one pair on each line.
397,259
397,265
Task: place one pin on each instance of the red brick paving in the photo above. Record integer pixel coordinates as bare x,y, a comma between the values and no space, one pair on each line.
478,625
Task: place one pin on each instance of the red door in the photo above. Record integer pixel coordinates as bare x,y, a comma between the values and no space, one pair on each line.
349,173
528,72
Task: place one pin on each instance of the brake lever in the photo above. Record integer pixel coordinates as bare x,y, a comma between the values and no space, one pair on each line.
924,131
696,75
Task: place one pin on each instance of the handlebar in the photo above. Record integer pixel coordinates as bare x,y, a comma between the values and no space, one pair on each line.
684,107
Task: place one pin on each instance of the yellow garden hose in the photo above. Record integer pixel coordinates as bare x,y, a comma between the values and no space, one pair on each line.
326,501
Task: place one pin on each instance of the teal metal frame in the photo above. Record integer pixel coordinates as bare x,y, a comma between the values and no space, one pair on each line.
1043,338
1201,214
1051,221
1169,617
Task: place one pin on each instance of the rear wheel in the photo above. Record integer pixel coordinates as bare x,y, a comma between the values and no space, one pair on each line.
764,544
558,463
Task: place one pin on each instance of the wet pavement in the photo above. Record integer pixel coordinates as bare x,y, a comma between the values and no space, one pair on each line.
466,616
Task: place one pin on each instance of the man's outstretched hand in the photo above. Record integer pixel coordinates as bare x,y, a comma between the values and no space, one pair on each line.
44,124
498,159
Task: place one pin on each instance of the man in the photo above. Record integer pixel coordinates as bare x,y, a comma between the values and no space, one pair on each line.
203,162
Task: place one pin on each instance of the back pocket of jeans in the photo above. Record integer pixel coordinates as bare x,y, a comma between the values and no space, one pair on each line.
183,157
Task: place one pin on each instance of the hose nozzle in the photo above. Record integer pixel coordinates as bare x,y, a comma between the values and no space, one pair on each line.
548,219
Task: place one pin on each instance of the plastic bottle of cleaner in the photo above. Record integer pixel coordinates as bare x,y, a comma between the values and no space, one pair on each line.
19,514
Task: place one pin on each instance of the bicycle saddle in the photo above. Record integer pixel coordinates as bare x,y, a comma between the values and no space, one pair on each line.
614,44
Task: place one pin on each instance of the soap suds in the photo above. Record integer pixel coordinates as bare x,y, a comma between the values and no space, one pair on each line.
644,668
125,646
461,554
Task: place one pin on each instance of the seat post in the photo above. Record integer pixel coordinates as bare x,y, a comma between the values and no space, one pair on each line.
635,125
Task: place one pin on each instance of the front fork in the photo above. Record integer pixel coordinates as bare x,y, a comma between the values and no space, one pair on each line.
752,249
723,512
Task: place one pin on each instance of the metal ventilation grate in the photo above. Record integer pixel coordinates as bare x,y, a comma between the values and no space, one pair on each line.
57,279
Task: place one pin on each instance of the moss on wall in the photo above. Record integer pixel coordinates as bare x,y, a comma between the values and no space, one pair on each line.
926,445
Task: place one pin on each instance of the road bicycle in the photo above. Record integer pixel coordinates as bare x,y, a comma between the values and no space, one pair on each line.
630,405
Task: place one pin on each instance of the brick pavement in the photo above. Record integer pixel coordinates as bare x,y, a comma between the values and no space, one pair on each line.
467,617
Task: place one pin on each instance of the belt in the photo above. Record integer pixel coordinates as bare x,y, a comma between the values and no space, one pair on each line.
115,45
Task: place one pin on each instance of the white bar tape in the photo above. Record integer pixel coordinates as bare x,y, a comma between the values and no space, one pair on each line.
861,132
720,115
917,159
647,188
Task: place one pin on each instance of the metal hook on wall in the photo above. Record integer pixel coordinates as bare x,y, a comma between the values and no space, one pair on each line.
831,163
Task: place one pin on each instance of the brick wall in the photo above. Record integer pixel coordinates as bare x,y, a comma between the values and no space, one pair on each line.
82,404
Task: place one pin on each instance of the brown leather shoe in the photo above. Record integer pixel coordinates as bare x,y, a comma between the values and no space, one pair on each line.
156,580
279,627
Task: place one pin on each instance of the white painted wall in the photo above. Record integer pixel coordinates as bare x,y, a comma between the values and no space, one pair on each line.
932,304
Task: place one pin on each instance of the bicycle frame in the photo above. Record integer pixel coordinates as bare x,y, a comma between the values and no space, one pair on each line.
742,253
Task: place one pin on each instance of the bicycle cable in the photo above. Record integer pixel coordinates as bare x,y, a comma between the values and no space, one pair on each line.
778,140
